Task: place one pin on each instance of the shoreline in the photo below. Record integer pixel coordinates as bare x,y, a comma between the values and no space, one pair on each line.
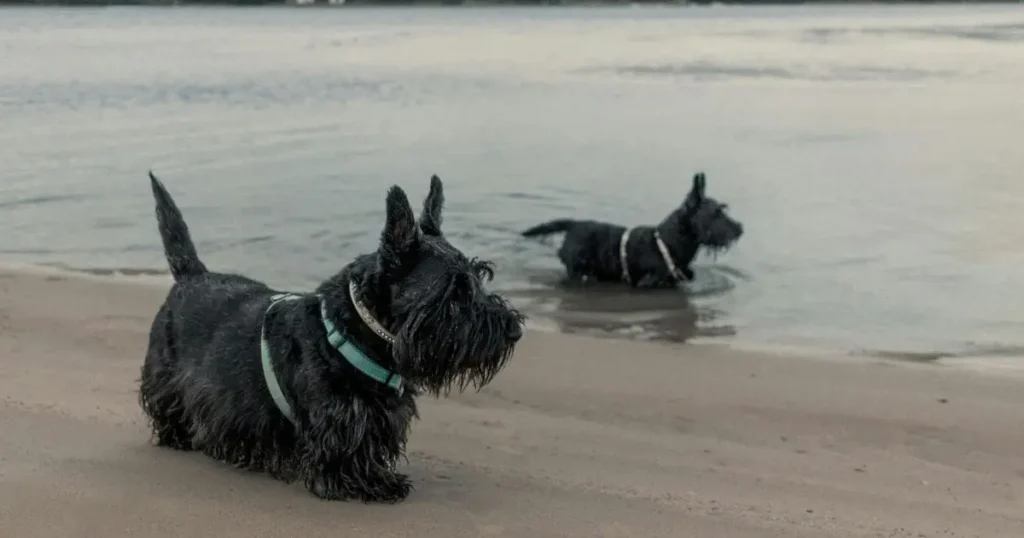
576,437
1000,360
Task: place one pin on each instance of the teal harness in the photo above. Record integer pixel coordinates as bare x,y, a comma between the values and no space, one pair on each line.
337,339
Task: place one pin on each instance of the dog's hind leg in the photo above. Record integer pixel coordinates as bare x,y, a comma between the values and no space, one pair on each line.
164,407
576,264
158,392
574,278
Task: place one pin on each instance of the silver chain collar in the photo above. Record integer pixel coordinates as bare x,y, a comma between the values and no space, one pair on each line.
367,318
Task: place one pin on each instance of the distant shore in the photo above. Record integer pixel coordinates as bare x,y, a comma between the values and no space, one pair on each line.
398,3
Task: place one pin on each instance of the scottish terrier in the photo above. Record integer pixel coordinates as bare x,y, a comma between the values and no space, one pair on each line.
644,256
321,387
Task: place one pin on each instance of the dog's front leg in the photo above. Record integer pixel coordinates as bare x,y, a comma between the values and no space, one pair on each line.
342,460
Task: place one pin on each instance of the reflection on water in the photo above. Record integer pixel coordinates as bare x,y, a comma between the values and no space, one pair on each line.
608,309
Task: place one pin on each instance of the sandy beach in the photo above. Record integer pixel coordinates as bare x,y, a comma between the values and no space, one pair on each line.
577,437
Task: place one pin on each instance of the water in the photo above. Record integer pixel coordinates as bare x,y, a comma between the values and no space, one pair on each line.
874,154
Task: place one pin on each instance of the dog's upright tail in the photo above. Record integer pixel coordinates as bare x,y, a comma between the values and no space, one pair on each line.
551,227
181,253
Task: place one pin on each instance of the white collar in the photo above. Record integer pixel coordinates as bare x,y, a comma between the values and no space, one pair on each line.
623,256
667,256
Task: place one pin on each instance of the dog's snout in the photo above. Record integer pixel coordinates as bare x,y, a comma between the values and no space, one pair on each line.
739,229
515,330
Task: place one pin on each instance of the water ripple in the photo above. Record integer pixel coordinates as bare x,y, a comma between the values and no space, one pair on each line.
703,70
41,200
999,32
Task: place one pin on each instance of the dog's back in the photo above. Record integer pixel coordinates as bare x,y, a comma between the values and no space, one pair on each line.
589,248
214,306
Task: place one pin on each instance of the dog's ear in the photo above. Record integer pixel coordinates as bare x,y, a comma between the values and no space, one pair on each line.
696,195
433,205
401,233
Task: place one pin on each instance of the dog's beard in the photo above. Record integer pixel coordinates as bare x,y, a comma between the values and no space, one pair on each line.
715,240
714,249
445,345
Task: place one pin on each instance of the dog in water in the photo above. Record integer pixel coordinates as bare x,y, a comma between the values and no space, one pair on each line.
322,387
644,256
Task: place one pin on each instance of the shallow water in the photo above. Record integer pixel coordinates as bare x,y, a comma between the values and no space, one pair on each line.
873,153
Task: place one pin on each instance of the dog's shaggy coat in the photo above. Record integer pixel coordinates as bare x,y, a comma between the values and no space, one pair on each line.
203,387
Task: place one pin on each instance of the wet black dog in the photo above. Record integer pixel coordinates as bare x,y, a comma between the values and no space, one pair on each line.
321,387
645,256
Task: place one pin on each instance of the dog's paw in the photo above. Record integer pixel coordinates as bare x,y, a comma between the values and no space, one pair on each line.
394,490
391,489
327,488
173,438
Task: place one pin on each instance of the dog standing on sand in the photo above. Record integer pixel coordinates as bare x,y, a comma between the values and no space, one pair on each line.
321,387
644,256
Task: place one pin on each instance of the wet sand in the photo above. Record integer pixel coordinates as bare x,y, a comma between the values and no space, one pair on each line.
578,437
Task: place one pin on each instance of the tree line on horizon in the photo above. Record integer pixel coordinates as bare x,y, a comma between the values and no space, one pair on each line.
469,2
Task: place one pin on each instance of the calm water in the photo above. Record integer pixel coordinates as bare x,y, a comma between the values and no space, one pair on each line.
874,154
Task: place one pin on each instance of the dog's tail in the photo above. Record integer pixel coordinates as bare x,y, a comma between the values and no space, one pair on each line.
181,253
552,227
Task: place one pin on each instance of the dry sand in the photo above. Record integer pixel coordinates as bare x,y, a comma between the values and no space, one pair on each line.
578,437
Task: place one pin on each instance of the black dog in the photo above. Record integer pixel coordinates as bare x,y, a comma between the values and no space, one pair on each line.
645,256
321,387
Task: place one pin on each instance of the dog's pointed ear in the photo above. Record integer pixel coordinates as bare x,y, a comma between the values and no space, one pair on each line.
433,205
401,233
696,195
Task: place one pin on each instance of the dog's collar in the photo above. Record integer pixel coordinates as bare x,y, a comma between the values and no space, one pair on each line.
368,319
667,256
354,355
622,256
345,346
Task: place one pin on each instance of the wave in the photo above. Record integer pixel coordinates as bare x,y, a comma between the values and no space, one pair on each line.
704,71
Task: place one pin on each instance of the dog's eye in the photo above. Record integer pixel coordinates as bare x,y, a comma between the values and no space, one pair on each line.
462,283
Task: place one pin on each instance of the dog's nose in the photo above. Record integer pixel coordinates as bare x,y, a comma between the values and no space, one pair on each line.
515,330
739,229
